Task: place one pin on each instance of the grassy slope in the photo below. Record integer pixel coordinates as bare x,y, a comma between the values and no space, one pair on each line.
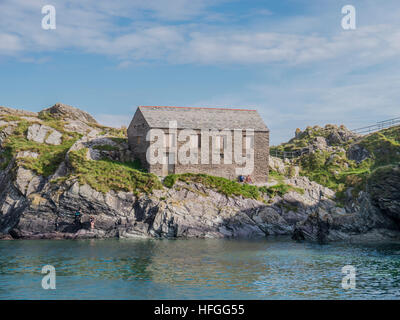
305,137
49,157
229,187
335,170
105,175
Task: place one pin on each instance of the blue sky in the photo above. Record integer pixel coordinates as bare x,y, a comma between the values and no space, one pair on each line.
290,59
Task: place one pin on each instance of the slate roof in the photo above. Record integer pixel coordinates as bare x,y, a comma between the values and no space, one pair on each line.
203,118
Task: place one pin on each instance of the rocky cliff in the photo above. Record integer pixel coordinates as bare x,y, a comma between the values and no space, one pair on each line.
60,160
363,172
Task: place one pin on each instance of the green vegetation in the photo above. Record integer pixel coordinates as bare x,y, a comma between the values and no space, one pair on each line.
305,138
105,175
330,168
384,146
49,156
384,173
10,118
276,176
46,116
333,169
119,140
120,133
229,187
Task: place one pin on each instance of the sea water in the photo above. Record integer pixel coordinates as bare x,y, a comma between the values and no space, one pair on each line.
276,268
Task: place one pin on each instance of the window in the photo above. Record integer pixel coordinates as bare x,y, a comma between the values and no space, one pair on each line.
138,140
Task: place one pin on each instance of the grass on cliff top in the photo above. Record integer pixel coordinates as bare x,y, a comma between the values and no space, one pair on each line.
10,118
384,173
105,175
229,187
338,173
384,146
304,138
49,156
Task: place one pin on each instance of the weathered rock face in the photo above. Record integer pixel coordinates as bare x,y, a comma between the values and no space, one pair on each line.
41,133
366,223
358,153
33,209
384,188
283,167
32,206
339,135
319,143
36,207
10,111
63,111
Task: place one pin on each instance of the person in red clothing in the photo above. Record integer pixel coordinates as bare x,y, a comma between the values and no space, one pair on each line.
248,179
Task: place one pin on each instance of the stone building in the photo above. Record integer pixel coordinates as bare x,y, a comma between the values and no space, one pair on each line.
211,134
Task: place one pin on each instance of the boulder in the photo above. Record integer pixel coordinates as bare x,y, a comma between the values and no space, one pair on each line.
77,126
365,224
41,133
320,143
358,153
384,189
27,154
63,111
54,138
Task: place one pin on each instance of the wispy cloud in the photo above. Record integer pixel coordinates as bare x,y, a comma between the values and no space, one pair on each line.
323,73
93,27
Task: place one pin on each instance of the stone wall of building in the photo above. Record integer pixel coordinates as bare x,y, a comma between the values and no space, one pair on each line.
137,132
261,155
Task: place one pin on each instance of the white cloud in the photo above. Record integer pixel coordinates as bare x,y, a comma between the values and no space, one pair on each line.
190,32
92,26
9,44
157,31
286,106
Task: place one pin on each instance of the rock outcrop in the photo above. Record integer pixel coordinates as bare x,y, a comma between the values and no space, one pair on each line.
37,209
13,112
358,153
41,133
384,188
65,112
376,214
366,223
39,198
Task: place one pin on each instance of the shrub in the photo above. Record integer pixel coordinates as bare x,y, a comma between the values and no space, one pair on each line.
106,175
229,187
49,156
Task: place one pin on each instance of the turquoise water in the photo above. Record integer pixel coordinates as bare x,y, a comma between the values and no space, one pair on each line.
197,269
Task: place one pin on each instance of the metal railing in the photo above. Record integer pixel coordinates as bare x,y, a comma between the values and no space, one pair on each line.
289,154
377,126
